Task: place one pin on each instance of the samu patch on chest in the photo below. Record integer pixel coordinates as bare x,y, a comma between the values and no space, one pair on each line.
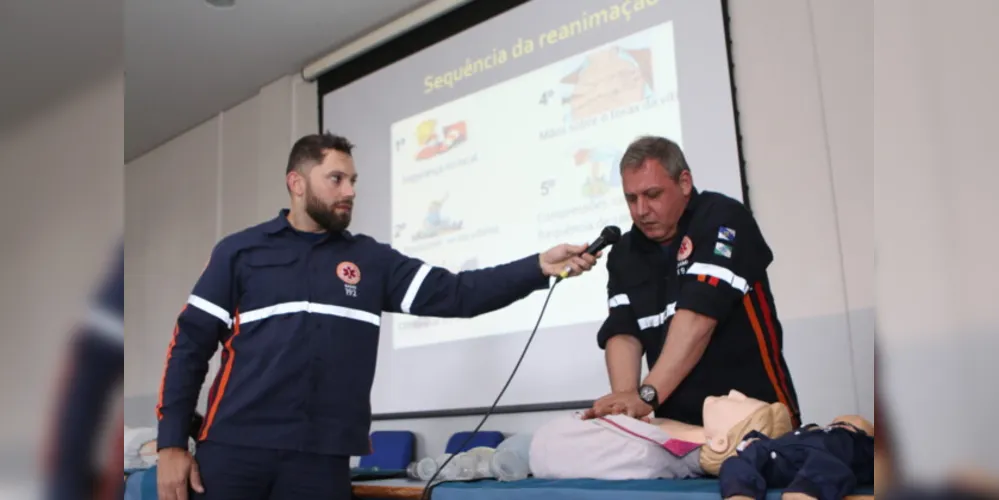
350,274
683,255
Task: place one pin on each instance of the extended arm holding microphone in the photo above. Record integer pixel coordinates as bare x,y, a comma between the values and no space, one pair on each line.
608,237
415,287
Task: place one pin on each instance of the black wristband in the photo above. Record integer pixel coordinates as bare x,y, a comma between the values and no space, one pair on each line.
196,421
649,395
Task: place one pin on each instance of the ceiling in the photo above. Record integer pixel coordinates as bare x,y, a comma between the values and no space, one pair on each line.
184,60
48,48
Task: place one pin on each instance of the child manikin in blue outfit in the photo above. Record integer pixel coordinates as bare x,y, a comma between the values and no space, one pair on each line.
813,462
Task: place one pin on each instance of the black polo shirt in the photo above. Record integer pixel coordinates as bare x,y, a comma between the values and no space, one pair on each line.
715,266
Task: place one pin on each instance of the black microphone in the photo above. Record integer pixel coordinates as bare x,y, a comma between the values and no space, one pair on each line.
608,237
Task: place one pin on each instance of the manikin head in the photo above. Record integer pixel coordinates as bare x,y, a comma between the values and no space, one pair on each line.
854,423
657,186
139,447
320,179
722,413
728,418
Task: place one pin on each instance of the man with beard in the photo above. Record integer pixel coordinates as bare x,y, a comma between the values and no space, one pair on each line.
296,304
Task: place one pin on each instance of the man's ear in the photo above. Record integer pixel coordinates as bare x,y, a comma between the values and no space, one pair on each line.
686,182
295,182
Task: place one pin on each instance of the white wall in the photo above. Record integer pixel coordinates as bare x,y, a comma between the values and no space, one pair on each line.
61,202
930,130
884,112
220,177
848,112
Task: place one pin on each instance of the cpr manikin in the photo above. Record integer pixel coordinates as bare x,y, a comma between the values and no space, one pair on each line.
140,447
621,447
813,462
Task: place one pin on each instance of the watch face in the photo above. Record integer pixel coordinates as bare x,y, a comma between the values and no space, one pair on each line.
647,393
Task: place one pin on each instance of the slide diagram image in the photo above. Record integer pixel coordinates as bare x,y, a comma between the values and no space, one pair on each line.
607,79
398,229
434,141
626,86
600,170
435,222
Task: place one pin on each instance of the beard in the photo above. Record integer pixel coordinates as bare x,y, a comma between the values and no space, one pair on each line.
325,214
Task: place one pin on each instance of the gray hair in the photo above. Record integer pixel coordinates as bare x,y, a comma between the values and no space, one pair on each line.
667,152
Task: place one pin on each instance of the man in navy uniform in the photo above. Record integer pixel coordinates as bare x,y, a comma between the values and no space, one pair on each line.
296,303
95,365
688,287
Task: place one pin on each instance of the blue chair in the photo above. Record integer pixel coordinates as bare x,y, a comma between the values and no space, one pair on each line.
390,450
489,439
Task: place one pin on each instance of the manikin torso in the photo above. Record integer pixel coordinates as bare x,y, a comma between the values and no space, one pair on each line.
620,447
720,413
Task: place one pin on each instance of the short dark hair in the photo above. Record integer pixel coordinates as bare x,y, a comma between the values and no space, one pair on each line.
658,148
312,149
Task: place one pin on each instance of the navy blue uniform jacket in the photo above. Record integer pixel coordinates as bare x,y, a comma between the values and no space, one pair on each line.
298,320
95,368
824,463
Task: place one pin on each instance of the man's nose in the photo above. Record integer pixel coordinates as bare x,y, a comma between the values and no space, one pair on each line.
348,191
641,206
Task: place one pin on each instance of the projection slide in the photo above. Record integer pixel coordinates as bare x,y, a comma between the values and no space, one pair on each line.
524,165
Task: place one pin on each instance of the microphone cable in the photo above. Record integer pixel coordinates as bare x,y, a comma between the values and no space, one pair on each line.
425,495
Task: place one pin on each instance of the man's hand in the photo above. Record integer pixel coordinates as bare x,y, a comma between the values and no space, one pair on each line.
175,468
615,403
565,256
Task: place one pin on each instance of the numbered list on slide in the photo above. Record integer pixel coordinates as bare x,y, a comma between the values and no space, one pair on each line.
524,165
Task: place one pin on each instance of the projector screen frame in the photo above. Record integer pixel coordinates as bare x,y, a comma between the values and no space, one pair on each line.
434,31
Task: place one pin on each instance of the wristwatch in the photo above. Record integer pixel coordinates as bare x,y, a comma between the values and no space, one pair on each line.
649,395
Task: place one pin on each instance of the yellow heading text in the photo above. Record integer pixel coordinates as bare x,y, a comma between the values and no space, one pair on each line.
587,21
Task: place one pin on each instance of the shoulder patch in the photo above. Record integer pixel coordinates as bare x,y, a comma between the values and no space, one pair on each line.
723,250
726,234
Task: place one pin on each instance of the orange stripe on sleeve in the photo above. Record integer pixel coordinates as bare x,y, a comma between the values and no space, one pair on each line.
223,381
166,364
768,321
747,301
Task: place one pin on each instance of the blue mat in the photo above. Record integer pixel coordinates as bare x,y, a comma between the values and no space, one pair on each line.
588,489
141,485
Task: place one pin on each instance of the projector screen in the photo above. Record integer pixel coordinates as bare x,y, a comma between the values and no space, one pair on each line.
504,140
